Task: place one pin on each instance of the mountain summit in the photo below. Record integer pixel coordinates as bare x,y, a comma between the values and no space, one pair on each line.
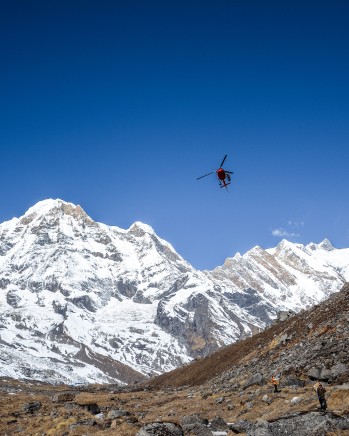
83,301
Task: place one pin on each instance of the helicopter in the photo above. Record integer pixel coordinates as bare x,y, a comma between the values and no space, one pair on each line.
222,175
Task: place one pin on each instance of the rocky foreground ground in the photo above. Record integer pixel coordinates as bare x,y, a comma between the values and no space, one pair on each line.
227,393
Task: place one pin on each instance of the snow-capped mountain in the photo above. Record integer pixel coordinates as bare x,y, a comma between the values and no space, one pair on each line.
82,301
288,277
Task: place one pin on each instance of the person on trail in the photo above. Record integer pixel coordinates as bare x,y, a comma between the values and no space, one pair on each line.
274,381
321,396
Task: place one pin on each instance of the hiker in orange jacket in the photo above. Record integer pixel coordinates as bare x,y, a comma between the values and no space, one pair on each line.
274,381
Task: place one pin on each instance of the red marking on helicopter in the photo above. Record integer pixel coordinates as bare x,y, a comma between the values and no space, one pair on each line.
222,175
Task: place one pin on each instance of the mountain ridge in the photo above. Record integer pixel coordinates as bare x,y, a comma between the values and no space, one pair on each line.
69,284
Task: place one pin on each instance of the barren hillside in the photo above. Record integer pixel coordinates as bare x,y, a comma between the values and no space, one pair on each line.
316,338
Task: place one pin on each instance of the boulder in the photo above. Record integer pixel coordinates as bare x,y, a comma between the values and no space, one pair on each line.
193,419
283,338
117,413
195,425
218,424
293,381
256,379
314,373
325,374
295,400
31,407
83,422
92,408
161,429
260,431
241,426
328,374
266,399
322,374
219,400
284,314
338,370
323,428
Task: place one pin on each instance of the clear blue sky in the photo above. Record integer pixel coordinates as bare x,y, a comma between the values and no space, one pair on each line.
119,105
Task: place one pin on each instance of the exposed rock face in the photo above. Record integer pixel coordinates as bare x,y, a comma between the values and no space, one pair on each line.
84,302
301,424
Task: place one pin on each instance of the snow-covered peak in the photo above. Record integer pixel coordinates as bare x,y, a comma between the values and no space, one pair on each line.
326,245
139,229
284,244
286,248
237,256
312,246
255,251
44,206
51,207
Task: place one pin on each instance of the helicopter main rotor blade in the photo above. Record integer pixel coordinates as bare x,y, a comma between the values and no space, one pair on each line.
223,160
230,172
205,175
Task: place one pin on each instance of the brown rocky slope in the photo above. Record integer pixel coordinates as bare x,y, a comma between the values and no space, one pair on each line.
229,387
